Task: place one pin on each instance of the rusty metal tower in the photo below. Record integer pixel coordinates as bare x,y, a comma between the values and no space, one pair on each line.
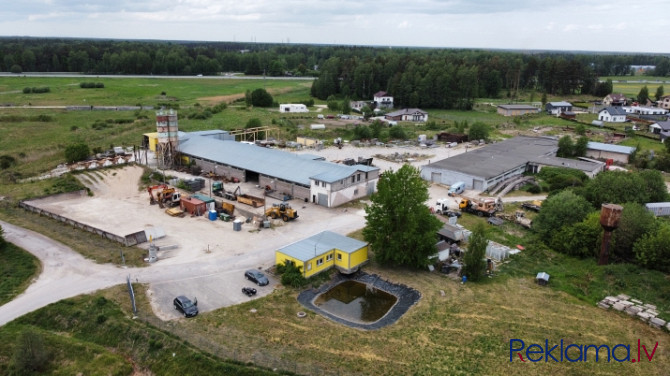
167,127
610,214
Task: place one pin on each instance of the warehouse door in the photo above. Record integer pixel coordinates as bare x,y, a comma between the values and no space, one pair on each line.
323,199
436,177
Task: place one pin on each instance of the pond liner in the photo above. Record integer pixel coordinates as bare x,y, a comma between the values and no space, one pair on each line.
407,297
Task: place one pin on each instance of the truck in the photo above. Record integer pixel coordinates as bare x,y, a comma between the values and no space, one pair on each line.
483,207
451,233
254,201
442,207
283,211
219,190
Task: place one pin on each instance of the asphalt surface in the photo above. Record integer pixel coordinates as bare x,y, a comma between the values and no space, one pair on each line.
65,274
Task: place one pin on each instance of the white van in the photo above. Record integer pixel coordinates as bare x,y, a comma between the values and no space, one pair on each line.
456,188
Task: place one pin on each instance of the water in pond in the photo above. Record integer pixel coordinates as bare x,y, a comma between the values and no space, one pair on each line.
356,301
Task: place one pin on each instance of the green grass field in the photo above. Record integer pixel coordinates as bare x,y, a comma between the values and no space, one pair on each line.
17,268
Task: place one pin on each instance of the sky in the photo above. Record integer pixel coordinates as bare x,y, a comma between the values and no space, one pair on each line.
574,25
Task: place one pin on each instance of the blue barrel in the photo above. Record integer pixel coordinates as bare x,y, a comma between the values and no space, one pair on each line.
212,215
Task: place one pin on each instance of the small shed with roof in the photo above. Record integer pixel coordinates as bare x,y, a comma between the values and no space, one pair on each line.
323,251
618,153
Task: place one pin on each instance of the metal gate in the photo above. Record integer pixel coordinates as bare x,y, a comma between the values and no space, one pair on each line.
323,199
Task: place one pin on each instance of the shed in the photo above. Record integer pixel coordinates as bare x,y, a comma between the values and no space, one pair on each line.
193,206
317,126
660,209
542,278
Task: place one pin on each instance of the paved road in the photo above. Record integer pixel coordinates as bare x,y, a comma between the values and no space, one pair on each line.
216,281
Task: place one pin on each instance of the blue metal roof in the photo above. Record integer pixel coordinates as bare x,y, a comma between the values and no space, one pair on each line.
309,248
610,147
270,162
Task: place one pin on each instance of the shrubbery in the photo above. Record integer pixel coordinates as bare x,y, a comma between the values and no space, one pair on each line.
36,90
91,85
291,275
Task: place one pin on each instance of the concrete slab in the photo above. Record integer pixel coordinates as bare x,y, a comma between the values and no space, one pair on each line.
644,316
650,307
603,305
636,301
623,297
632,310
656,322
618,306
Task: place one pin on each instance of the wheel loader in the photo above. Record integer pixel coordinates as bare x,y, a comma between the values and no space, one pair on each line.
283,211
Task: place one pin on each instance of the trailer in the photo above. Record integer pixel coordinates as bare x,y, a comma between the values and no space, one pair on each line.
660,209
254,201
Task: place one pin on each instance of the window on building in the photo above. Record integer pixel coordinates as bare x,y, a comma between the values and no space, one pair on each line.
316,183
353,179
359,177
339,256
329,257
319,262
366,176
323,184
309,266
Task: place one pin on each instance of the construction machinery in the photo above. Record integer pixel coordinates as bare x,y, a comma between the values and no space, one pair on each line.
442,207
157,188
169,197
518,217
283,211
486,207
219,190
534,205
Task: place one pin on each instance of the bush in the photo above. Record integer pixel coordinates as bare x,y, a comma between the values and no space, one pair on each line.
291,275
30,355
77,152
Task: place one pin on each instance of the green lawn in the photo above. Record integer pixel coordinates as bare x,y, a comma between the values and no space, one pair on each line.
17,268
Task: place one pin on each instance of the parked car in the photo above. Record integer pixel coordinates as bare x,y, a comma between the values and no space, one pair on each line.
249,291
186,306
257,277
452,213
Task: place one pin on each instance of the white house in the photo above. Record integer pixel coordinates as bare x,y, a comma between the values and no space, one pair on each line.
383,99
612,115
408,114
555,108
293,108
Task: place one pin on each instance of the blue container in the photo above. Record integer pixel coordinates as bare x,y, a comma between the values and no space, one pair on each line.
212,215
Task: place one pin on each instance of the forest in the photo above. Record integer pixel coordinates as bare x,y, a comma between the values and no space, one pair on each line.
416,77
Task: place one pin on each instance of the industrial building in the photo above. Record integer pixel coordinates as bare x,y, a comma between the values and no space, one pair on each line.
485,167
323,251
305,177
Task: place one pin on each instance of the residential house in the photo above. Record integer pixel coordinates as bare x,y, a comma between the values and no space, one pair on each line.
661,128
556,108
664,102
612,114
617,153
615,100
408,114
383,99
517,109
358,105
323,251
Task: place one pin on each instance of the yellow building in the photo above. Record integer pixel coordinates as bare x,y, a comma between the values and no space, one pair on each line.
151,139
324,251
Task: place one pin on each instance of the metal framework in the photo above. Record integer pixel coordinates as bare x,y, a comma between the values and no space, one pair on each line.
255,133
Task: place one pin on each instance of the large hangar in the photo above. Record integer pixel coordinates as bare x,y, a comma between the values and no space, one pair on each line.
485,167
305,177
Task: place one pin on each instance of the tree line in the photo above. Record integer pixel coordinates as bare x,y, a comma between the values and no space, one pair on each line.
416,77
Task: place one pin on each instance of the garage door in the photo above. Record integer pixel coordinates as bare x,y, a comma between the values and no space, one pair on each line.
323,200
478,185
436,177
